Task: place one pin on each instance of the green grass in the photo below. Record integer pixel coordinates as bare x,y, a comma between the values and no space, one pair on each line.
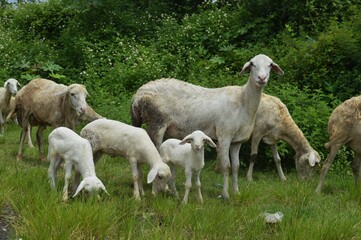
39,213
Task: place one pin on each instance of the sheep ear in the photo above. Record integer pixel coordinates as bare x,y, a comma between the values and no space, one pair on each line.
80,187
312,160
61,93
277,69
210,142
19,84
186,139
103,187
6,83
152,174
246,67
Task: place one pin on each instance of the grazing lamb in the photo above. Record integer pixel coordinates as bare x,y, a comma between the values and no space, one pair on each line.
45,103
189,154
344,127
274,123
175,108
119,139
7,101
65,145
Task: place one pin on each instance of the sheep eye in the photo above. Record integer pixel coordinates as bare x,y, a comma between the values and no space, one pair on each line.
72,94
160,177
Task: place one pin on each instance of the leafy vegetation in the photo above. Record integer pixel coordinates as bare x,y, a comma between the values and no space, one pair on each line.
113,47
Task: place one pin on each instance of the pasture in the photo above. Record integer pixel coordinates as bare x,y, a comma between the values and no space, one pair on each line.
30,210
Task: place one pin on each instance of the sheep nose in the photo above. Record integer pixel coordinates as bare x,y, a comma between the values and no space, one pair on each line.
82,110
262,78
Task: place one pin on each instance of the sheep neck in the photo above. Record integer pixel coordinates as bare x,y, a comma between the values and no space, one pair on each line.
294,136
7,97
252,97
86,168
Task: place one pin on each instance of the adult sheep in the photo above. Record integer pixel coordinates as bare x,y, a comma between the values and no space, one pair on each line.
274,123
344,127
7,101
44,103
175,108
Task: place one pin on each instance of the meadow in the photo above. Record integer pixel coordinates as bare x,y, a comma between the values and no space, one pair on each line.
31,210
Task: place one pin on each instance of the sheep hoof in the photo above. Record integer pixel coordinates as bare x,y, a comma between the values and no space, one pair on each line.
42,158
19,157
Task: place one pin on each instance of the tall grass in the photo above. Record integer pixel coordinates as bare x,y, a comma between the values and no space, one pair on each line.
39,213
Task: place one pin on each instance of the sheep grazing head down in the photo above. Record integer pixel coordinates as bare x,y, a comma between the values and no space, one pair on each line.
305,164
76,94
260,67
91,185
12,85
159,176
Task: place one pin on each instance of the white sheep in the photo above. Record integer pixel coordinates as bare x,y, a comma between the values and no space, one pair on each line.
274,123
44,103
175,108
119,139
68,147
344,128
189,154
7,101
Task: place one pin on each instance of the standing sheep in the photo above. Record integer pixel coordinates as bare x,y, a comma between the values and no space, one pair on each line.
45,103
174,108
344,127
189,154
65,145
274,123
7,100
119,139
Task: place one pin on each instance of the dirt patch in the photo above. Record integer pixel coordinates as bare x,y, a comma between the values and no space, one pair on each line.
7,217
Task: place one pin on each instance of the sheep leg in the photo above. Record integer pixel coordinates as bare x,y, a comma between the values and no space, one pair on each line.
76,181
327,164
135,176
223,154
256,139
28,134
198,185
234,151
2,124
52,169
67,168
96,156
140,177
356,164
277,160
39,138
188,184
172,182
19,156
156,134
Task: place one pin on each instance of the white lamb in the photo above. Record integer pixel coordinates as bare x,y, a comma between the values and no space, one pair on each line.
7,101
65,145
189,154
119,139
174,108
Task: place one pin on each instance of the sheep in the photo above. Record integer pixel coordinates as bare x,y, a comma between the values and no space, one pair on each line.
189,154
7,100
175,108
44,103
68,147
119,139
344,128
273,123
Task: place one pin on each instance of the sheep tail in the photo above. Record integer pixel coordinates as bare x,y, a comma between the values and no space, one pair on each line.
135,114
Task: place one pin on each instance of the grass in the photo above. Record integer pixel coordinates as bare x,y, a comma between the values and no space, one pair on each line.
36,212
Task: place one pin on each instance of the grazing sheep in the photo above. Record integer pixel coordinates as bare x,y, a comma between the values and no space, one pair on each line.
7,101
119,139
45,103
174,108
274,123
65,145
189,154
344,127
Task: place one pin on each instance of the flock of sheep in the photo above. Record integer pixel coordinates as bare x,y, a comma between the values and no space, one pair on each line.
187,115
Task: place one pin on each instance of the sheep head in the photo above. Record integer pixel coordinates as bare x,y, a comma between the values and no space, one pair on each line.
260,67
12,85
197,140
159,176
91,185
305,164
76,95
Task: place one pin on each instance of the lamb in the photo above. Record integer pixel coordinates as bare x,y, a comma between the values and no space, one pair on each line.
44,103
7,100
274,123
68,147
189,154
175,108
119,139
344,127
